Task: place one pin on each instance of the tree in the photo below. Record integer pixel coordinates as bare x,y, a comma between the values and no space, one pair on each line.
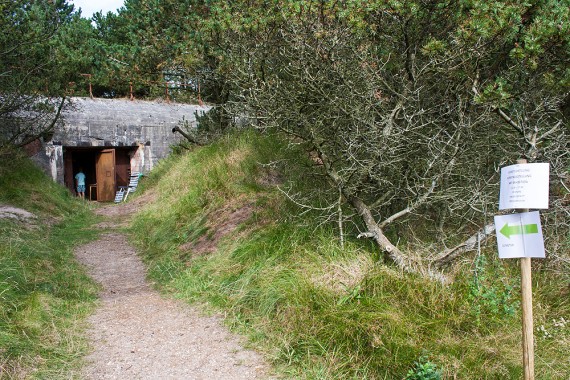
33,68
408,108
146,44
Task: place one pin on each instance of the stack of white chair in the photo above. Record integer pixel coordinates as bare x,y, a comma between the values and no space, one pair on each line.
133,183
124,191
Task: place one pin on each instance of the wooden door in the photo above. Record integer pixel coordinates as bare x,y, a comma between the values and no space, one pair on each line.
105,172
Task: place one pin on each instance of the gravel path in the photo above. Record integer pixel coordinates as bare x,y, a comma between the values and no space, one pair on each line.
137,334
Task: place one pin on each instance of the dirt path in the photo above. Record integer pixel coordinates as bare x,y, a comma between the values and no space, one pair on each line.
137,334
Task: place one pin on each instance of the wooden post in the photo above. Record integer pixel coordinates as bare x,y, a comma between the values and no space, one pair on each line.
527,322
527,319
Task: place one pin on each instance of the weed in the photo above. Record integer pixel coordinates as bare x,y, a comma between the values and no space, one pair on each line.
424,370
489,296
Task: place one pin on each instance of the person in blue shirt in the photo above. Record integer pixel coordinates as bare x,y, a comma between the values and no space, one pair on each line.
80,181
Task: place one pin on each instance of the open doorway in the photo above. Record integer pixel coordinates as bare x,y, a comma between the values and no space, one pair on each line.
105,170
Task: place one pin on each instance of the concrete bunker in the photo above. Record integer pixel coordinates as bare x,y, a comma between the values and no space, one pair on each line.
105,168
111,139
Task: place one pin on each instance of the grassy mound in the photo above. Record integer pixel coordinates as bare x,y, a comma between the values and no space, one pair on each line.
220,233
44,294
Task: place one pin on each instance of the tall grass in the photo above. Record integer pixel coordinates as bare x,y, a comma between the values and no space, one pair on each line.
44,294
320,311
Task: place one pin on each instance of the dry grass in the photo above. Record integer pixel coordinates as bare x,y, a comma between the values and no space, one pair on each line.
338,276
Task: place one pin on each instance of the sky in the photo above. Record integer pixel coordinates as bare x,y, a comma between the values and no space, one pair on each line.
89,7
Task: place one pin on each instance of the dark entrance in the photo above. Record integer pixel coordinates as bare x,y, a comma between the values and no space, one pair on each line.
105,169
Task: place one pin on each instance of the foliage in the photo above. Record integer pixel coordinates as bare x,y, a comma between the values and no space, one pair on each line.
43,50
489,297
26,54
408,108
148,43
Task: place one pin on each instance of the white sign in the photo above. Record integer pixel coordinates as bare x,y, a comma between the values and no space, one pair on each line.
519,235
524,186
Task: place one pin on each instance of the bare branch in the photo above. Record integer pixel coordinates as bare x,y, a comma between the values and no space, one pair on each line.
470,244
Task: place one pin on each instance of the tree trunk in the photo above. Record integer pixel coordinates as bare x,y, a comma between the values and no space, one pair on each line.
186,136
375,232
470,244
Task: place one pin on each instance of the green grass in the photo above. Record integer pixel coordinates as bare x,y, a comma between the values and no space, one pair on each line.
44,294
320,311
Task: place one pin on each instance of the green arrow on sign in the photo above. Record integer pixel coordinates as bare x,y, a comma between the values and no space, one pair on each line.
508,231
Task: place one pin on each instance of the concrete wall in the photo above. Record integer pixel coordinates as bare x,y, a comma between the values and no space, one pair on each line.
117,123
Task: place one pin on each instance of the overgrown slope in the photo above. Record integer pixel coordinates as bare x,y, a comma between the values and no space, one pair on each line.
218,231
44,294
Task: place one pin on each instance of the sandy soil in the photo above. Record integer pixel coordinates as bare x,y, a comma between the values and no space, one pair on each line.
137,334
